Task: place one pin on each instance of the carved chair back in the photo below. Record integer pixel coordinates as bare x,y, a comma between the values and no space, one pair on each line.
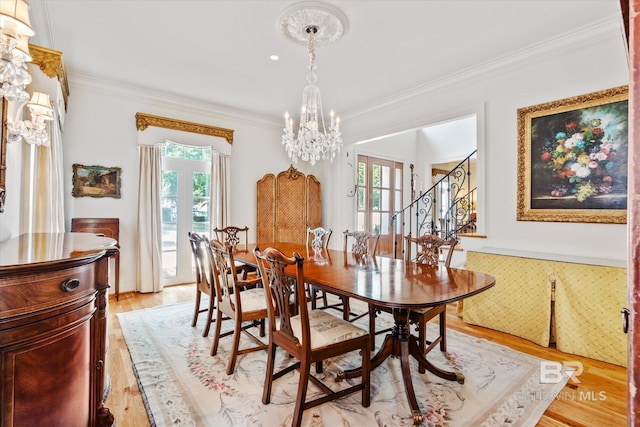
233,235
279,289
319,237
429,248
363,242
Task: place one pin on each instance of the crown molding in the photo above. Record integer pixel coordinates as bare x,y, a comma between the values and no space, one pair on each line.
188,106
584,35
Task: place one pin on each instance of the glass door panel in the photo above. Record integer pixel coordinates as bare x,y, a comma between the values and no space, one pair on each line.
186,207
169,222
379,193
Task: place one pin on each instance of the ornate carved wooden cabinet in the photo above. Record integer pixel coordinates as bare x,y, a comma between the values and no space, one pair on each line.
53,325
287,204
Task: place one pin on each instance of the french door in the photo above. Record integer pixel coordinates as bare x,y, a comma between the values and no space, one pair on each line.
379,196
186,196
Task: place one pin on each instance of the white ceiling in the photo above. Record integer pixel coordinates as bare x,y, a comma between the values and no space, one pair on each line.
217,51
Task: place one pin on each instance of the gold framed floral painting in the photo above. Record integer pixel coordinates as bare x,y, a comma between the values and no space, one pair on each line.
573,158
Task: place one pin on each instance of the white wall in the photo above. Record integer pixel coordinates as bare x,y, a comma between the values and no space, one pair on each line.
338,204
451,141
100,130
448,142
552,71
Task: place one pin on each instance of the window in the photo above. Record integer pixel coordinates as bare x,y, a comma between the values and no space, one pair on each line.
186,196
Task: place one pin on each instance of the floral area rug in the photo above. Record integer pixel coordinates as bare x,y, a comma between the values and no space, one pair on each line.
183,385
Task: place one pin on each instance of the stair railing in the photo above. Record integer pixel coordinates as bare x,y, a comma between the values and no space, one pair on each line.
443,209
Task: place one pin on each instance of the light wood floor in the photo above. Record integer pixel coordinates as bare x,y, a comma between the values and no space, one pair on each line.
598,400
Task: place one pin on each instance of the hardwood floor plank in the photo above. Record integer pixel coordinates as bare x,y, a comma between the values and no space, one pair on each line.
576,405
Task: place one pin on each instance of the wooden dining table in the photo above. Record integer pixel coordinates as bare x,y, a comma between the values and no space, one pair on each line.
385,282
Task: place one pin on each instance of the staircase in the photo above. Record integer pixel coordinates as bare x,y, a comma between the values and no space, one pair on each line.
446,209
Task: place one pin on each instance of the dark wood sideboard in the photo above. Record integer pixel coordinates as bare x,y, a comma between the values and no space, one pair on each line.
108,227
53,329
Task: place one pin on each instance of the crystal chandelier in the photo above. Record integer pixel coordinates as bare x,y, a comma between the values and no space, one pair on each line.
15,30
314,24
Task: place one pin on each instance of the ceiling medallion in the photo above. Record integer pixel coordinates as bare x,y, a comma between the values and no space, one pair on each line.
331,23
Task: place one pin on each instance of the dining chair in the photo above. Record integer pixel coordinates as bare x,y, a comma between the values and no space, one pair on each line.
235,236
204,279
363,244
429,251
236,301
317,239
309,336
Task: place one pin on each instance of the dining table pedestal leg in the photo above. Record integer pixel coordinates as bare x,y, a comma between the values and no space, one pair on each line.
401,343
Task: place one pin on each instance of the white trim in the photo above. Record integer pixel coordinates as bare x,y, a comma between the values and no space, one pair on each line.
178,103
604,28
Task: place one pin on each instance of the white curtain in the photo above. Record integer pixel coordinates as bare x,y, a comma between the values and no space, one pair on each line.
149,251
220,190
43,185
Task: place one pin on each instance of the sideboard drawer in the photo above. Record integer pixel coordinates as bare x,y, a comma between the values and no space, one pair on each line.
27,293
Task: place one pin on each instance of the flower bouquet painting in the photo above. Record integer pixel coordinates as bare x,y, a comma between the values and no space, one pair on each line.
573,159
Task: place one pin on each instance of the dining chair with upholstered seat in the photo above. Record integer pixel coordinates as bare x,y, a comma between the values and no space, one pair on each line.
429,251
247,307
235,236
204,280
361,244
310,336
317,239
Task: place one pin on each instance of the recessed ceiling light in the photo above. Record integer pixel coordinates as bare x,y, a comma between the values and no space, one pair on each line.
274,57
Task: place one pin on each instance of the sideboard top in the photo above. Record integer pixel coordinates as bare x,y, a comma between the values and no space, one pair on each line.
604,262
31,250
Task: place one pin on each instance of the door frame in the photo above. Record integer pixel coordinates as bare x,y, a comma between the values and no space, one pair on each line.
386,242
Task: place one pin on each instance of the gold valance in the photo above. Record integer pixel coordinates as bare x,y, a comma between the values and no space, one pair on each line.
145,120
51,63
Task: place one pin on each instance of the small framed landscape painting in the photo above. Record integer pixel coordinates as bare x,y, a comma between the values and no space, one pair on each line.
573,158
96,181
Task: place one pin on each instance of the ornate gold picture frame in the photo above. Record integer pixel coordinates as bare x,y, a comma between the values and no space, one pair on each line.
573,157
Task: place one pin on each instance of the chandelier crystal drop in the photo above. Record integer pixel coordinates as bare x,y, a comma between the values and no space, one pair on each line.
314,24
